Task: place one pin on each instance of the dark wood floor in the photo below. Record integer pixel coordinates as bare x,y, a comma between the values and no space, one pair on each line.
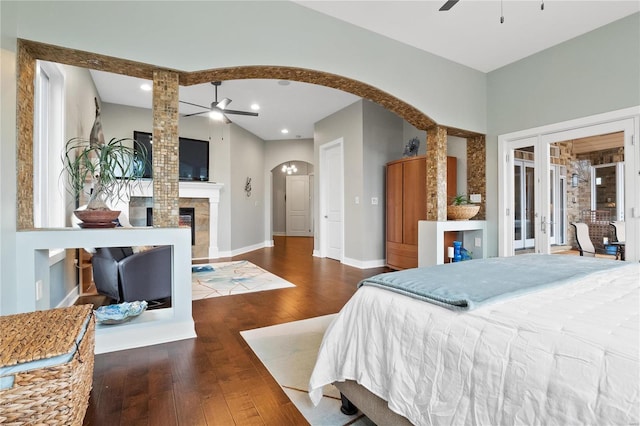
216,379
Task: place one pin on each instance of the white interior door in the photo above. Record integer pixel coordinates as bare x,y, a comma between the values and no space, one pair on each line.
297,202
331,198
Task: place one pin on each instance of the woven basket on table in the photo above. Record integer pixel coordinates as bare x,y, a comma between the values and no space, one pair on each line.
462,212
56,395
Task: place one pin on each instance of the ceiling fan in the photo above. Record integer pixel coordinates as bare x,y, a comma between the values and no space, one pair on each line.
448,5
219,107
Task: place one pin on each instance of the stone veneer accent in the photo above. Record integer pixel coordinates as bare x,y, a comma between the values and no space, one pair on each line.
437,173
476,172
165,149
26,70
166,204
138,217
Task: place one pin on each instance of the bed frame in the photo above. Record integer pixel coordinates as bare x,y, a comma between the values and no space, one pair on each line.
355,396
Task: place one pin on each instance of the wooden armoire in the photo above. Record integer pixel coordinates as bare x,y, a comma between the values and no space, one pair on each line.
407,204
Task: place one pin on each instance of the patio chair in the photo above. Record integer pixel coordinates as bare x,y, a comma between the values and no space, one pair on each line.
619,235
584,241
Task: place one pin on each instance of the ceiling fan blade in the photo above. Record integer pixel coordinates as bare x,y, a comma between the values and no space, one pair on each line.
448,5
226,119
199,106
196,113
223,103
231,111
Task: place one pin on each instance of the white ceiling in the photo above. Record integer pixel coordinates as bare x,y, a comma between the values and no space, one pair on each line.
469,34
296,106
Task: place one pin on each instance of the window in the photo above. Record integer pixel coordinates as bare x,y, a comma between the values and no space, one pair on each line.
48,191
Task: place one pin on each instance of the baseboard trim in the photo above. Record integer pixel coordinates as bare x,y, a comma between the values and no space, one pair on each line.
279,234
363,264
246,249
316,253
69,299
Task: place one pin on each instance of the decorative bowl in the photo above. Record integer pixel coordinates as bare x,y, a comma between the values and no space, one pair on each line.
117,314
97,218
462,212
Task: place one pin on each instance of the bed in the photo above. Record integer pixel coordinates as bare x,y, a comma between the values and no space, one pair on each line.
562,352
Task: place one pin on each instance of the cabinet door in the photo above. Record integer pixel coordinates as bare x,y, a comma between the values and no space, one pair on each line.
394,203
414,198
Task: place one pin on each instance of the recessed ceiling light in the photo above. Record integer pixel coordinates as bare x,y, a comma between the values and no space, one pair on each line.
255,107
146,87
284,82
285,131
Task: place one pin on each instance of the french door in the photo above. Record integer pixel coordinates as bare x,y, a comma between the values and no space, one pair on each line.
524,204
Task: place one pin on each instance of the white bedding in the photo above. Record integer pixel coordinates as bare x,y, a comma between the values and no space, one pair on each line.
564,355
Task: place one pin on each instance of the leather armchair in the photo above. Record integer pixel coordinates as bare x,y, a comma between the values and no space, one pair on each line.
125,276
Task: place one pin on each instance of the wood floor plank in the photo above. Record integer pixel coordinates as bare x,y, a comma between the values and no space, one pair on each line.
216,379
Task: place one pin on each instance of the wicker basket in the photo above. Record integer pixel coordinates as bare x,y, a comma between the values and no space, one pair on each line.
462,212
56,395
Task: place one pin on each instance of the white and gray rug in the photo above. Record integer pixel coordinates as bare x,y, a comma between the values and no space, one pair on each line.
229,278
289,352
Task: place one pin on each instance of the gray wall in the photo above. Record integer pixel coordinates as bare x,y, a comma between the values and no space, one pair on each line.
371,136
247,160
346,124
382,135
590,74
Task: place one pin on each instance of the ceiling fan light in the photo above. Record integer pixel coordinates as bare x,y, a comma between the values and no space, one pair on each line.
223,103
216,115
255,107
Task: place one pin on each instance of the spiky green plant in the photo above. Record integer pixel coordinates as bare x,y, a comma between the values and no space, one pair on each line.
111,167
460,200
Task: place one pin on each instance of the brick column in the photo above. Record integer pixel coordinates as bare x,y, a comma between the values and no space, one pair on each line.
476,171
437,173
165,150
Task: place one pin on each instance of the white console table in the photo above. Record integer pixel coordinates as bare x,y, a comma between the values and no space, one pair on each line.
431,239
150,328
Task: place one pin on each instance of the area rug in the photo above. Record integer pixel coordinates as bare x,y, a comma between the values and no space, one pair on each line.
229,278
289,352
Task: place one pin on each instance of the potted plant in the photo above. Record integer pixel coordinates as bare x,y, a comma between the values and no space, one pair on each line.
461,208
103,170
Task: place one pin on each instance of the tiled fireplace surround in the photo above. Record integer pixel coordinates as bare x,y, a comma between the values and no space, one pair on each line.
203,197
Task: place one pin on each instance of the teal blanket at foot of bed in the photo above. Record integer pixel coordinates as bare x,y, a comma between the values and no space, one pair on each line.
467,285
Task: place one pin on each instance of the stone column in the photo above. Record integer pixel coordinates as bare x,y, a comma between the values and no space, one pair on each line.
437,173
24,153
165,150
476,171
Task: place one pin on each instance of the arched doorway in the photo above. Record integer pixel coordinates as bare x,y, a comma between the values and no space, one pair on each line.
292,195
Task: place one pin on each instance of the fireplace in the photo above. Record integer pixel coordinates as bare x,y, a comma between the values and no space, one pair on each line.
203,197
187,218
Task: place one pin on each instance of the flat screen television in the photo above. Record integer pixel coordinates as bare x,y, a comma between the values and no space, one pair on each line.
194,157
